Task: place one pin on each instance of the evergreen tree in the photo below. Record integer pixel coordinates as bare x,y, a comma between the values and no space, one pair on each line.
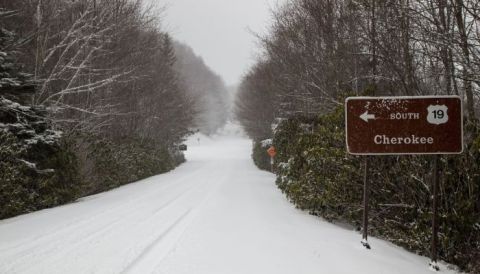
29,147
13,82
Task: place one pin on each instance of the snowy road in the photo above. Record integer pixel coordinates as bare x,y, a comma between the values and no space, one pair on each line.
216,214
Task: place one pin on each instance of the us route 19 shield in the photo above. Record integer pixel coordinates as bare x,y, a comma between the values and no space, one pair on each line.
404,125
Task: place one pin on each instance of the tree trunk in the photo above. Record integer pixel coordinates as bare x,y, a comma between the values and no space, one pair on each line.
467,77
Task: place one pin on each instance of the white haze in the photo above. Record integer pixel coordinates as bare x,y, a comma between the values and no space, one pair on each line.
220,31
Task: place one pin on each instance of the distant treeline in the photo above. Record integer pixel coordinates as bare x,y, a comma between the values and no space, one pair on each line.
316,54
92,96
212,99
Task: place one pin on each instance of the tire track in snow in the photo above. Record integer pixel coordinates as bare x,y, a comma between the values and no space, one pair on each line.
145,252
55,242
196,213
73,244
80,222
180,228
187,220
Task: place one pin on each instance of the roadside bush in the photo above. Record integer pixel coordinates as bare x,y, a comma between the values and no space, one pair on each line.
42,176
317,174
260,156
15,196
37,167
58,176
48,175
111,164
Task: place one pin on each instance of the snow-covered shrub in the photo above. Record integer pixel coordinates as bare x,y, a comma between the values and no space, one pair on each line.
37,170
37,167
15,196
109,164
315,158
260,156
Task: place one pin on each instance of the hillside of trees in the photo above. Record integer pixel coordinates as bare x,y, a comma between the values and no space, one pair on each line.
91,98
317,53
207,89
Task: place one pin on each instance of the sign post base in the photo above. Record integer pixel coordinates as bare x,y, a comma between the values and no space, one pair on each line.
366,244
436,179
434,266
366,199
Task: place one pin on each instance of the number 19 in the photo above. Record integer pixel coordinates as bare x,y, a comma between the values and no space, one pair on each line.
439,114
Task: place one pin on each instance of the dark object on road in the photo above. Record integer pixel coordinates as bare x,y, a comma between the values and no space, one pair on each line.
182,147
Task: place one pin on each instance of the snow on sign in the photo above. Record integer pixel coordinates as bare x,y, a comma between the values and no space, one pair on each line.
404,125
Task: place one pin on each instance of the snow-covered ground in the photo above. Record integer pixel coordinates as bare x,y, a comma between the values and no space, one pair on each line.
216,214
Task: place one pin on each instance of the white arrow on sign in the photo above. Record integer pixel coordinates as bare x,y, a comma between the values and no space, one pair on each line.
365,117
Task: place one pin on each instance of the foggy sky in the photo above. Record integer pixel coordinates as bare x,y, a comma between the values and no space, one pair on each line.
218,30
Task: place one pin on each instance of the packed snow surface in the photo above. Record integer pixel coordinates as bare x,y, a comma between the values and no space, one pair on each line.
216,214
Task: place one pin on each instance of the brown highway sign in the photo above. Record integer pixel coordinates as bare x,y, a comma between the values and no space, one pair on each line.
404,125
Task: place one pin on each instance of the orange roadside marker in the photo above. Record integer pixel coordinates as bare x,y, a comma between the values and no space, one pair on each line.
272,151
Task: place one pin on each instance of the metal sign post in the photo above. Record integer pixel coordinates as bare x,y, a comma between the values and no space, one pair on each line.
366,190
404,126
434,252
